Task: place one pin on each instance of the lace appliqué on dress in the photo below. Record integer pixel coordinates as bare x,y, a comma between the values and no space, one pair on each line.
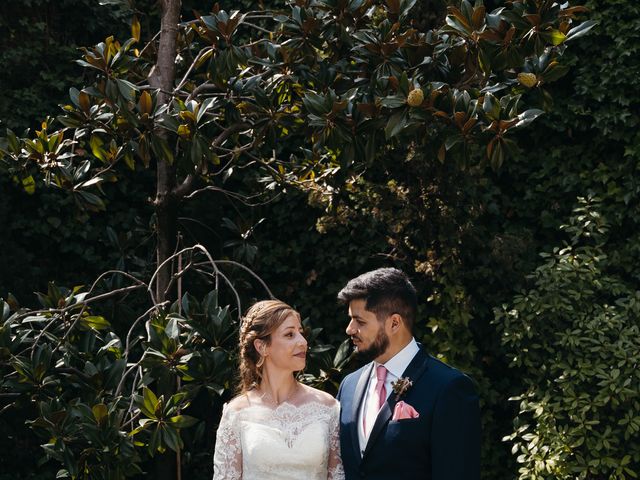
227,459
288,442
292,420
335,471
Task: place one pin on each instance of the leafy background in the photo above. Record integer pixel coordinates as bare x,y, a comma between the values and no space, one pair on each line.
527,275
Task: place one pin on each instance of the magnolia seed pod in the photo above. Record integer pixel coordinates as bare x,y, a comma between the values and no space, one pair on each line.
415,98
529,80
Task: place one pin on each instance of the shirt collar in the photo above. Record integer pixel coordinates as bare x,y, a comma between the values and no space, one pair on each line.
400,361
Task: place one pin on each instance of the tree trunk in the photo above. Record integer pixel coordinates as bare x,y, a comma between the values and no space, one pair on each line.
163,77
166,203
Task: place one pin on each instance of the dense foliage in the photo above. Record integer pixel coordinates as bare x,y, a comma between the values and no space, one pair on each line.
575,335
580,420
84,381
471,236
38,42
474,238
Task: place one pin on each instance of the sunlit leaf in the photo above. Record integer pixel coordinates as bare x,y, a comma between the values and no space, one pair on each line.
29,185
135,28
100,411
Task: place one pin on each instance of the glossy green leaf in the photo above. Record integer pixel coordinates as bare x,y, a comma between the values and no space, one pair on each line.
395,124
183,421
96,322
100,412
149,404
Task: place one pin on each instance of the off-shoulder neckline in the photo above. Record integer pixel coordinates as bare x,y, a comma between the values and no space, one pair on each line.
283,406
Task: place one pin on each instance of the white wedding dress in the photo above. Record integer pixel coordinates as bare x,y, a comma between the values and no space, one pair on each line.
256,441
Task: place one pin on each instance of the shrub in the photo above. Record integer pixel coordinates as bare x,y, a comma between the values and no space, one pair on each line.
574,338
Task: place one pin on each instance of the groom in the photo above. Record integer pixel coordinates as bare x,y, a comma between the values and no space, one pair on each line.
405,415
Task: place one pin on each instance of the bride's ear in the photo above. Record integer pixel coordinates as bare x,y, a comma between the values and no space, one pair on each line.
260,346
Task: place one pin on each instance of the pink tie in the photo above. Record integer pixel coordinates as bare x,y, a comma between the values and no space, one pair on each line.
381,391
381,375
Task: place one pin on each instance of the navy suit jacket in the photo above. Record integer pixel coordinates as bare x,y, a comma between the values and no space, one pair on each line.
443,443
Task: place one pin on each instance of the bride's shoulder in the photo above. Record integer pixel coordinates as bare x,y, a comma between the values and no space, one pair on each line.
318,396
238,403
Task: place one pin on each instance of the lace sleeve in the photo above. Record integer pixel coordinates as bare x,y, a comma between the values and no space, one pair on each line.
227,459
334,467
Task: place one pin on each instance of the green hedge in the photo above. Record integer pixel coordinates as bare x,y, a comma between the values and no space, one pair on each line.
471,240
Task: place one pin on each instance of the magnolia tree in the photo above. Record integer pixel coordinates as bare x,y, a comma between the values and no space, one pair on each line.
309,92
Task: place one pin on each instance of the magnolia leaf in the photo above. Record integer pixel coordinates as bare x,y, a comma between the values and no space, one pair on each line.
145,103
393,101
491,106
451,141
395,124
100,411
95,322
528,116
554,72
496,157
94,181
442,153
161,148
127,89
73,96
129,161
149,403
403,84
580,30
96,148
135,28
184,131
557,37
172,329
12,140
183,421
172,438
29,185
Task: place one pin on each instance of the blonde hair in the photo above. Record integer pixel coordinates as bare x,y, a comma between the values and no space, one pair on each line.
258,323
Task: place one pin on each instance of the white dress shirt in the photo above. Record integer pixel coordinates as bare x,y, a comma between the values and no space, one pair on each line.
395,368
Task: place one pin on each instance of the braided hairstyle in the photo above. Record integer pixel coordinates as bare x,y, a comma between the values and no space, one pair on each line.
258,323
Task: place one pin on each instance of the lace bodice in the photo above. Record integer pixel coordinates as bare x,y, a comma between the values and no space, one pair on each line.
259,442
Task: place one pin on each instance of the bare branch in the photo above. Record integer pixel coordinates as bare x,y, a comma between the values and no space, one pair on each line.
236,196
200,88
201,53
246,269
253,25
187,184
83,305
149,43
235,292
176,276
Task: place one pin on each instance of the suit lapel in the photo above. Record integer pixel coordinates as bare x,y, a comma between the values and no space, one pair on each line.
358,397
414,371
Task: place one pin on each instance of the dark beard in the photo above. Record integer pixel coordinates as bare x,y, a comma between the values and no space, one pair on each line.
377,348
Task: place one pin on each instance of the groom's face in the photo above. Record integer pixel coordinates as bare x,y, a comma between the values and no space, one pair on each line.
366,331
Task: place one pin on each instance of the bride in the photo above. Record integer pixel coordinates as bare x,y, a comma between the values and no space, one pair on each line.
276,427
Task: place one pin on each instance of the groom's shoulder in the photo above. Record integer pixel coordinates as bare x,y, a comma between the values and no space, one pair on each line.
354,376
445,372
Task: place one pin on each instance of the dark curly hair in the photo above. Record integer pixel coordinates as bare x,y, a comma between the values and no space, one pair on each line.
386,291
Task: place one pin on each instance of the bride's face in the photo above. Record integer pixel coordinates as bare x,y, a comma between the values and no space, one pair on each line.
288,347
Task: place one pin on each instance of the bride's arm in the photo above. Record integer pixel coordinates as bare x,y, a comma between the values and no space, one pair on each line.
227,459
334,467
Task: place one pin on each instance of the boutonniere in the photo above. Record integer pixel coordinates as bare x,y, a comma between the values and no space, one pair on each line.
401,386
